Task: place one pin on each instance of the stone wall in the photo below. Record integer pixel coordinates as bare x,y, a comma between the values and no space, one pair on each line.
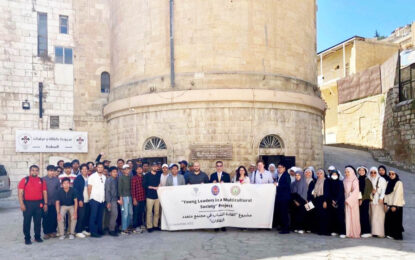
399,129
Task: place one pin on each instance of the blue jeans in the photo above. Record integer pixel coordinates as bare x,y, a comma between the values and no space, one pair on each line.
95,219
126,213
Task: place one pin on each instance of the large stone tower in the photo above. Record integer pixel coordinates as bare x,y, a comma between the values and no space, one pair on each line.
241,78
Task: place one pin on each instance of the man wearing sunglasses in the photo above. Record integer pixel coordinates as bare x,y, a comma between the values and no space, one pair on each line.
220,176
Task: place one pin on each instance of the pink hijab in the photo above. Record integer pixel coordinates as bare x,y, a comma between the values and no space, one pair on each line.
348,180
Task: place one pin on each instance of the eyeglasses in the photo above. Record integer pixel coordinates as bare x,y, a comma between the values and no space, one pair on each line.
219,166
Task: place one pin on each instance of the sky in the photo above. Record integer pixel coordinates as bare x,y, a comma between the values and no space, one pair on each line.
338,20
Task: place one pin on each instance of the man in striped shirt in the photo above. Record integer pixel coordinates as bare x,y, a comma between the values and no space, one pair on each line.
67,173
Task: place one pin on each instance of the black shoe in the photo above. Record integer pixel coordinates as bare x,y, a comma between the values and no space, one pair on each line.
95,235
149,230
223,229
113,233
284,232
28,242
39,240
157,229
216,229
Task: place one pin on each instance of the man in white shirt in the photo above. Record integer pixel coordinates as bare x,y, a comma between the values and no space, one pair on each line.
96,192
164,174
261,176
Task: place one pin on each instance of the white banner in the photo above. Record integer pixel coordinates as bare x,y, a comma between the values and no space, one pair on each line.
36,141
217,205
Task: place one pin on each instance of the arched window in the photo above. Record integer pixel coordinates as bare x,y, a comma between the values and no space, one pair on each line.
154,143
271,141
105,82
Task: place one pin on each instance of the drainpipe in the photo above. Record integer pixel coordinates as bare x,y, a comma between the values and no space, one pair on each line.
172,73
41,167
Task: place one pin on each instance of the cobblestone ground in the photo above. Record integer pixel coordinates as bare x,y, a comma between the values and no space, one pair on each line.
233,244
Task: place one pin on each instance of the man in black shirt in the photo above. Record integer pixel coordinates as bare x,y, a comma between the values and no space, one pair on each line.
151,183
66,202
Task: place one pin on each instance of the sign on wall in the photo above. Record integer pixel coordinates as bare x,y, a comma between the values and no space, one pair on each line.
217,205
211,152
37,141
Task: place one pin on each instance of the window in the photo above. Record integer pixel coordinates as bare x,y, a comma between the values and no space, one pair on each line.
155,143
54,122
63,55
42,34
105,82
407,83
271,141
63,24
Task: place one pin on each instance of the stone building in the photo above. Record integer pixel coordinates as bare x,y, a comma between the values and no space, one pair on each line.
190,79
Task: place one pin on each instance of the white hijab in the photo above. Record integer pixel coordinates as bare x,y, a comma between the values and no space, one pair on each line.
374,180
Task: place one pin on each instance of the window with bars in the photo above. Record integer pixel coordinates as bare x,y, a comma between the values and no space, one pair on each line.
271,142
154,143
407,83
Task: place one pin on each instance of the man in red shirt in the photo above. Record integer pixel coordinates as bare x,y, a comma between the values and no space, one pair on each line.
32,198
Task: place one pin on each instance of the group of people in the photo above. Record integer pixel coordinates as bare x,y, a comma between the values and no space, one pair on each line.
93,199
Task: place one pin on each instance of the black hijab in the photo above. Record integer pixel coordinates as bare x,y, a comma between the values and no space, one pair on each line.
362,179
386,172
391,184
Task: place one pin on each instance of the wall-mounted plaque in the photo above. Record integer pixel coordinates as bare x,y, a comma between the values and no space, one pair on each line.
211,152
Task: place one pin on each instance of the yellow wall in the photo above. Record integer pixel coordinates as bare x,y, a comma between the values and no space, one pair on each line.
331,61
369,54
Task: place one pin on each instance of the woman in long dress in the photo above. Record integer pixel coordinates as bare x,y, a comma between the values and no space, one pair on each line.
377,211
336,205
310,219
351,194
298,200
320,199
365,189
394,202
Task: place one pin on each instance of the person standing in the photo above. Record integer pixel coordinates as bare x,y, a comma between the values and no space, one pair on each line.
67,173
394,202
33,197
282,200
242,176
351,194
197,176
299,190
96,193
66,203
75,167
310,218
336,205
377,210
174,178
124,192
365,189
81,187
220,176
183,168
50,222
139,199
164,174
319,196
251,170
111,199
261,176
151,183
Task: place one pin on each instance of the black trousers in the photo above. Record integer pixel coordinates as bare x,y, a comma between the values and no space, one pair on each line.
364,217
337,220
95,218
393,223
283,218
138,214
49,221
83,218
33,210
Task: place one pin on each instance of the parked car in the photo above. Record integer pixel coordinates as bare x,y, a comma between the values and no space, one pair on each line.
5,190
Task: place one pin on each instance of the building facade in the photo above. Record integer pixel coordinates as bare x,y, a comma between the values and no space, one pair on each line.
192,79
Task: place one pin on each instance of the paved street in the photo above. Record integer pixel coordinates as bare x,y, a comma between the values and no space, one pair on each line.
233,244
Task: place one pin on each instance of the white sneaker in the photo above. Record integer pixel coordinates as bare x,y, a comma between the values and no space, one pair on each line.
366,235
389,237
296,231
80,235
71,237
139,230
62,237
342,236
86,233
300,231
333,234
143,227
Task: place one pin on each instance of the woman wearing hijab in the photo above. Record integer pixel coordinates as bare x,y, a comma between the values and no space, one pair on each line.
298,200
377,211
309,215
351,194
319,197
336,205
394,202
365,189
383,172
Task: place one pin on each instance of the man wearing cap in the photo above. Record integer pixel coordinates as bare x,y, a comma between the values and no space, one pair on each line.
124,192
50,222
151,183
174,178
164,174
67,173
197,176
183,167
32,198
